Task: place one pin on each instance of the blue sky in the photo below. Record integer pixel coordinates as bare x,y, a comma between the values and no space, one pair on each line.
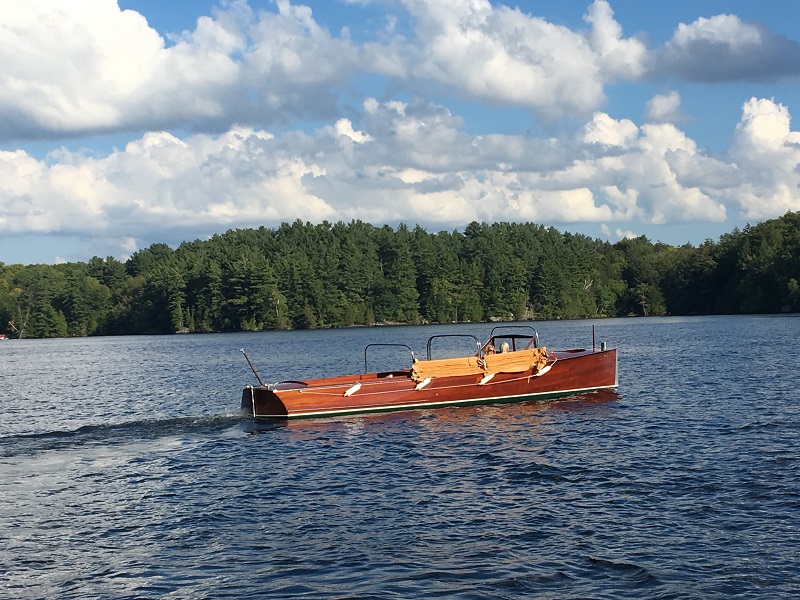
127,123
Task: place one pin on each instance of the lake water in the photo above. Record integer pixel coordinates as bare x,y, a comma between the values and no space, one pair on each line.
126,471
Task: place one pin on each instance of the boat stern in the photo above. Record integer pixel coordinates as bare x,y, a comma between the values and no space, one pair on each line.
261,401
247,400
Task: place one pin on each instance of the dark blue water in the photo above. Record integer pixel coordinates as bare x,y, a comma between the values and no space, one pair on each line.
126,471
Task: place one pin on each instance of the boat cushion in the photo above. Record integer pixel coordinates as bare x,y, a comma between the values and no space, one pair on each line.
516,362
506,362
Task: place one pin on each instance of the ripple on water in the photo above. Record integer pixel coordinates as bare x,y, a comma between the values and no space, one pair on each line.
683,484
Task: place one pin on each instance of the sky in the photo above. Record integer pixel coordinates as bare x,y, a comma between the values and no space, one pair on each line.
133,122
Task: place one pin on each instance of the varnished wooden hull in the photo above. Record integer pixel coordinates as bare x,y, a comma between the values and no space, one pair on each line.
574,372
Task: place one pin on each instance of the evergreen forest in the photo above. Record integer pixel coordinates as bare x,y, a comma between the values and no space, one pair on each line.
302,275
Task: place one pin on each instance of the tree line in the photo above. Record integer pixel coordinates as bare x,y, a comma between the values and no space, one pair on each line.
301,276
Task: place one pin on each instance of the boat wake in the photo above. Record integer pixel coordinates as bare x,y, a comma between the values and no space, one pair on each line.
114,434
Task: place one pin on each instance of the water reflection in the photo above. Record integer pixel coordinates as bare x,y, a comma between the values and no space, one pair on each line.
495,417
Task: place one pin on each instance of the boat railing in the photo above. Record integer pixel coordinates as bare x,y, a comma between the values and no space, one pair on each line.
366,349
452,335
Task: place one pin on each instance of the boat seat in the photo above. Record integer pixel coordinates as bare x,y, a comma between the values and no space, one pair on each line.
507,362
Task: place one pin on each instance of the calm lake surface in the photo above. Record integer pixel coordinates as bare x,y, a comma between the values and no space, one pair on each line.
127,471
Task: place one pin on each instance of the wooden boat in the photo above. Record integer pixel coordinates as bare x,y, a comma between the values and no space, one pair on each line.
510,366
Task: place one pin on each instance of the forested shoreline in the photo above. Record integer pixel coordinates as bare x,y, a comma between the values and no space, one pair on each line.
301,276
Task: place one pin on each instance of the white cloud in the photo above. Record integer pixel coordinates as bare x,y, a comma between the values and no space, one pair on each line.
618,57
70,66
765,148
693,169
661,195
725,48
88,67
626,234
764,128
501,55
604,130
619,233
408,162
665,108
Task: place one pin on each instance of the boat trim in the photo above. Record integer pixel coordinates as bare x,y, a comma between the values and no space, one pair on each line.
424,404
